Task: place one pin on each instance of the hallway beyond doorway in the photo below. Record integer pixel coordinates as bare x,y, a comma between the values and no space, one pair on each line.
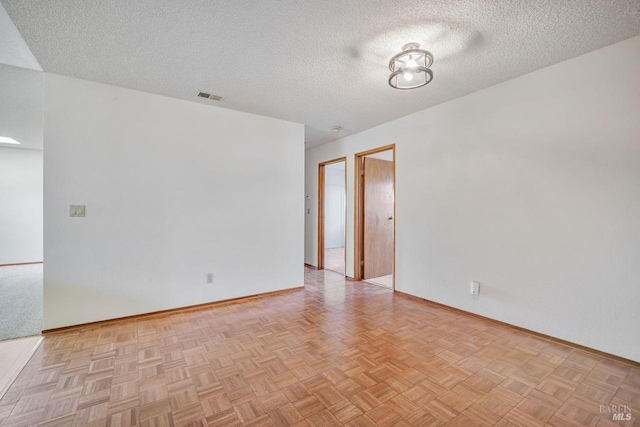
334,260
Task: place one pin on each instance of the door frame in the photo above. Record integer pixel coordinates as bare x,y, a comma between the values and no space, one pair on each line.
321,180
359,211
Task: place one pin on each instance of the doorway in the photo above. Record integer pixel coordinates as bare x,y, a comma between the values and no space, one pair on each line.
375,216
332,215
21,202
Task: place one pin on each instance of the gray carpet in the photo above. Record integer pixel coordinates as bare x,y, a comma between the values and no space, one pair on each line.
20,301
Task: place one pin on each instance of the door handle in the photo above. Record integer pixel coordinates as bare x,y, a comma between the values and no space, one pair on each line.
390,218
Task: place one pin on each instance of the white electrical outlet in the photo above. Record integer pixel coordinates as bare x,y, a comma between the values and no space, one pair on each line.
475,288
76,210
209,277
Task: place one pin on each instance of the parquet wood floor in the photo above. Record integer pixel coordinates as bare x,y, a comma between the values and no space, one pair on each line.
13,356
335,353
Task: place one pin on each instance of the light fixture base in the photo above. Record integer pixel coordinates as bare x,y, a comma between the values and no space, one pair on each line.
411,46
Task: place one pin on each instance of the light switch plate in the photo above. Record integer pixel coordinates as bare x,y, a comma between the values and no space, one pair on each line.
76,210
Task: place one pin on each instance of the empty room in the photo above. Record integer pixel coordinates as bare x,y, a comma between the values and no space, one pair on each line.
319,213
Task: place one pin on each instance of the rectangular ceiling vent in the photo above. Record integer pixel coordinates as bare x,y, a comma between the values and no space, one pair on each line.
209,96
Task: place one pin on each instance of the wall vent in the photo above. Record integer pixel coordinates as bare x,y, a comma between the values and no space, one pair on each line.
209,96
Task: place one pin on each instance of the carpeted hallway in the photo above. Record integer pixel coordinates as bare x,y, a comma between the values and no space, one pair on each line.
21,296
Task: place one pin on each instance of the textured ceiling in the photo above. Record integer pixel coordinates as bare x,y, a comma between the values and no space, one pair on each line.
321,63
13,49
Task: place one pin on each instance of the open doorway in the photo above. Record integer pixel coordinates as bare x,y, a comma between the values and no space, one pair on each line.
21,202
332,215
375,216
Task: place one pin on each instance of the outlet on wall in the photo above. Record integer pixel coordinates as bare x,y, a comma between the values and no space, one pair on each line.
209,277
475,288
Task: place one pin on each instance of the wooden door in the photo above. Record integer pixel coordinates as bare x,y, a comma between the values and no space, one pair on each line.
378,217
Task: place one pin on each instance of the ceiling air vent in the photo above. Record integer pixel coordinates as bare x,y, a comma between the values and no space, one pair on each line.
209,96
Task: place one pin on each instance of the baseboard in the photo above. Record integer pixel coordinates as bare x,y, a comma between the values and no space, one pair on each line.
518,328
176,310
21,263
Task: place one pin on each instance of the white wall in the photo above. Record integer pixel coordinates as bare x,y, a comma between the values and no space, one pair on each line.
335,205
173,190
21,93
20,205
531,187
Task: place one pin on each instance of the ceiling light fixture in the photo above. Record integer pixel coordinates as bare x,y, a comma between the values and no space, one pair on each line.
410,68
7,140
336,129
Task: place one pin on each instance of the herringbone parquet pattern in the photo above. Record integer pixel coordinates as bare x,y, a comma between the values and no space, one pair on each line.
334,353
